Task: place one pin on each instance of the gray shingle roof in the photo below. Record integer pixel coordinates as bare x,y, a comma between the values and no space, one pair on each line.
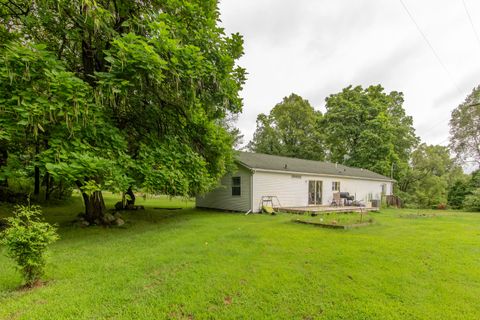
277,163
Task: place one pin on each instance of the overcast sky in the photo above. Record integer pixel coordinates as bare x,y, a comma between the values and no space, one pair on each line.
317,47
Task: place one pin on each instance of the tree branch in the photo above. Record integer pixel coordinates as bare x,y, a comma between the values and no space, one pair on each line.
21,11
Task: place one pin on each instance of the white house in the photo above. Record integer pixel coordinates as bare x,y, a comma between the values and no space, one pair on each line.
293,182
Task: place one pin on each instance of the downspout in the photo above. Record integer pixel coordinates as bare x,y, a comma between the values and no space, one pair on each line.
251,190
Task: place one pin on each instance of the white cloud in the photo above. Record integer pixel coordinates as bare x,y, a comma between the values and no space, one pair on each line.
317,47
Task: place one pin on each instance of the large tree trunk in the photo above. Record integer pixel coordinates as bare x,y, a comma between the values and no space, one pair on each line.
36,190
94,207
47,178
3,162
48,186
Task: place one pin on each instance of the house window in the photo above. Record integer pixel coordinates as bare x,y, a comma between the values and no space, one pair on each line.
236,186
384,188
336,186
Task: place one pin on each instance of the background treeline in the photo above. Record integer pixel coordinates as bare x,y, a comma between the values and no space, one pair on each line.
368,128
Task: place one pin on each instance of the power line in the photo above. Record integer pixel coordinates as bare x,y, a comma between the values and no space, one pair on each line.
431,46
437,124
448,119
471,22
446,140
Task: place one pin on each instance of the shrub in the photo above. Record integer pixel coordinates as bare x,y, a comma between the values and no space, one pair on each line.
457,193
472,201
27,238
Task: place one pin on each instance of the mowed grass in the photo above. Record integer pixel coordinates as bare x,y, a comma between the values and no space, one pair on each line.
194,264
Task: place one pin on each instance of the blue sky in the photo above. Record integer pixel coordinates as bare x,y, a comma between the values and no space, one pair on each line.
316,47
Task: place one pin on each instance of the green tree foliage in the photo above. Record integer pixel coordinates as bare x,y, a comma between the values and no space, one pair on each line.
10,11
291,129
368,128
457,191
40,102
432,171
182,172
153,73
475,179
48,116
465,128
463,188
27,238
472,201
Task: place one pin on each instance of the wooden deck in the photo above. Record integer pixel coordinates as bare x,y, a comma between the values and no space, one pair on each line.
325,209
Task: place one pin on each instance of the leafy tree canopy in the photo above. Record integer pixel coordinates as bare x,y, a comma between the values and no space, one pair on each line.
465,128
432,170
369,128
149,77
472,201
291,129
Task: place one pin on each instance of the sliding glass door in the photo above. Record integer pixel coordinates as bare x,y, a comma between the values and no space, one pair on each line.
314,192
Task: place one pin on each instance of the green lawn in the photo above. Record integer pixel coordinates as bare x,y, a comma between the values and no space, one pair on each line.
191,264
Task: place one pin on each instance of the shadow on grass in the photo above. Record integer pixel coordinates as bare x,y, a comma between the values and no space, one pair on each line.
136,223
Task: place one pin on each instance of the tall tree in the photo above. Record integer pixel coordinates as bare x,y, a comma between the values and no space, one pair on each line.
431,172
465,128
368,128
163,76
47,112
291,129
457,191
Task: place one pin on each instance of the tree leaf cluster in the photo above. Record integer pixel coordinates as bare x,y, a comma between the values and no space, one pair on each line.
368,128
431,175
465,129
291,129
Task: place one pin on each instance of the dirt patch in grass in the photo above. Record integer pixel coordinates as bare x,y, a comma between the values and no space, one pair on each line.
29,287
180,315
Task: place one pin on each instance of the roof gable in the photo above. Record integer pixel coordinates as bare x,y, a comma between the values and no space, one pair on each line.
286,164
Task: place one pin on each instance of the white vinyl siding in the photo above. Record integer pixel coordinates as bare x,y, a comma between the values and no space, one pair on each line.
222,198
290,189
293,192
